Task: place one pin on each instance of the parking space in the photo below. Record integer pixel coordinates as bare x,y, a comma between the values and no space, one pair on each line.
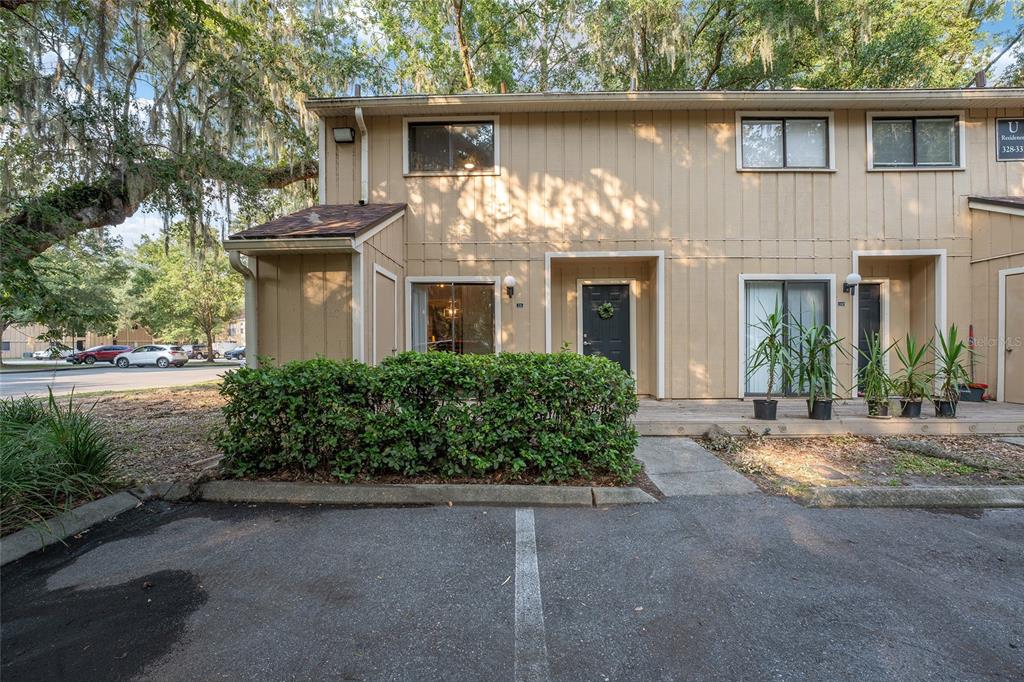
738,587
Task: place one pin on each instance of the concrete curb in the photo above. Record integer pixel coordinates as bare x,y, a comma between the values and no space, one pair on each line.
924,497
28,540
415,493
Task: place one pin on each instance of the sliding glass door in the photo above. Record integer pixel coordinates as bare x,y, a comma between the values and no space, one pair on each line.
453,317
802,302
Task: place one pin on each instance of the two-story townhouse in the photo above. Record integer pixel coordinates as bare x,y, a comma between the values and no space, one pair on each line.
650,227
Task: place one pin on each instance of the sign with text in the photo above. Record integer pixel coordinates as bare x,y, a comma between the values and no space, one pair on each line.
1010,139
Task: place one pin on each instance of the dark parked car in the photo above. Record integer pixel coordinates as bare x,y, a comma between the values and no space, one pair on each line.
199,351
91,356
235,353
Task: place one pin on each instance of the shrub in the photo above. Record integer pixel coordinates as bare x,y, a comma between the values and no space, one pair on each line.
50,456
553,417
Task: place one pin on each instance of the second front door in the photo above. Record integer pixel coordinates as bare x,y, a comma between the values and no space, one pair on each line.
605,322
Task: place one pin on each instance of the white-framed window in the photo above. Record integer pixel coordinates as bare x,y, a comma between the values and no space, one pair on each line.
784,141
916,141
450,146
455,314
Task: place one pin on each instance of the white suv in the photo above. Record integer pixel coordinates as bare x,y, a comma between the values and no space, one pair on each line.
161,356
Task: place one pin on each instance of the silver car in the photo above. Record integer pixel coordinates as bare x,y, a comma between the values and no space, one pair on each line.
159,355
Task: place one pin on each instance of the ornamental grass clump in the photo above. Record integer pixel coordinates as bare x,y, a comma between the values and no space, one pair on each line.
52,455
513,416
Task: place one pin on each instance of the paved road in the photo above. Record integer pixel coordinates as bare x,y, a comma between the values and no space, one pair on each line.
108,378
738,587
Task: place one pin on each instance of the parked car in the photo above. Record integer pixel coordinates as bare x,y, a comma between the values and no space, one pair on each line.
235,353
52,353
91,356
159,355
199,351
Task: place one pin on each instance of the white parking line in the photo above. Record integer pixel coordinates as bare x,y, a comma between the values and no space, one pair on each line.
531,649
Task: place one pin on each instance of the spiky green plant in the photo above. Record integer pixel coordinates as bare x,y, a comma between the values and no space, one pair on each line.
950,372
914,381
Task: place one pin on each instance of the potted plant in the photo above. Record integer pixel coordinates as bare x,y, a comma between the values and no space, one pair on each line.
914,381
950,373
815,370
771,354
874,382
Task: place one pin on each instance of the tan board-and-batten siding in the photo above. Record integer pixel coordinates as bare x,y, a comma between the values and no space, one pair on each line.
667,180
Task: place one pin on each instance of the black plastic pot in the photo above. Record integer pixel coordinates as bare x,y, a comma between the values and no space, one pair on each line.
765,409
910,408
972,394
821,409
945,408
878,408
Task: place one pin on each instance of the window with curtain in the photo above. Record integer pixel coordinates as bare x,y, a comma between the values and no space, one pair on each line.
453,317
915,142
784,143
803,302
456,146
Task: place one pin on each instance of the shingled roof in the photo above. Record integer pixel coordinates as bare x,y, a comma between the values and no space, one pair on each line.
339,220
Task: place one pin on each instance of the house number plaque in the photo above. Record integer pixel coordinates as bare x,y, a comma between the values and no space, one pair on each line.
1010,139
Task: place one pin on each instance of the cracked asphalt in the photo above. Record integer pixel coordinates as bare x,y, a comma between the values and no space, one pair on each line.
733,588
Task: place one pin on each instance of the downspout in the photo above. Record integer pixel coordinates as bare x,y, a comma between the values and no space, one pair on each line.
364,159
251,323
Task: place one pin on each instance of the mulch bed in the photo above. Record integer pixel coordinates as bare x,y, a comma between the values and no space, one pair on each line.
793,465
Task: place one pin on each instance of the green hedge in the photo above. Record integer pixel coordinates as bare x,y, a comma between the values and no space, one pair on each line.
552,417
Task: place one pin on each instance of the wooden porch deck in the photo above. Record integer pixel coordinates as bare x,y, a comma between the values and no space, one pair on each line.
695,417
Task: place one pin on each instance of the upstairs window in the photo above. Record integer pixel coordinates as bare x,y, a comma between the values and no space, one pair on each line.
451,147
784,142
915,142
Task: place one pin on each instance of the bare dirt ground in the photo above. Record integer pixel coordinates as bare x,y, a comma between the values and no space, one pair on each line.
792,465
164,434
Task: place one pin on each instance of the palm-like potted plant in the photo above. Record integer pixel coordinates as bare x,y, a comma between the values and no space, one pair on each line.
875,383
772,354
950,373
814,368
914,381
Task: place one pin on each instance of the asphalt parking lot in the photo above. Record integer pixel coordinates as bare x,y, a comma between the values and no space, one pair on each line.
106,377
741,587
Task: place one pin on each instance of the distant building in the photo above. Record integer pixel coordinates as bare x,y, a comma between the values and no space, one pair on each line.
21,341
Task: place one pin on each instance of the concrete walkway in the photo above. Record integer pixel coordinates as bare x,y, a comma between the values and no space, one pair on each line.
680,467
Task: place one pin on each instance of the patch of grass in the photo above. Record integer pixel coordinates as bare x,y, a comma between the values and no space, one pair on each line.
753,466
921,465
51,455
843,440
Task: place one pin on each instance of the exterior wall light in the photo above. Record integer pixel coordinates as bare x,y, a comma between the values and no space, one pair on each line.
344,135
510,285
850,285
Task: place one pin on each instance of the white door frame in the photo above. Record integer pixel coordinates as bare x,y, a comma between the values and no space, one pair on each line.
378,270
1001,334
659,301
940,290
453,279
633,297
754,277
884,299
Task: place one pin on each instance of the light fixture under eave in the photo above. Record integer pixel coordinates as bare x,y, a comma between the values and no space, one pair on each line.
344,135
510,285
850,285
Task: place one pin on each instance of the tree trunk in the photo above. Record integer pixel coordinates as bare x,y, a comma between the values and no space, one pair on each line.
460,37
209,344
58,214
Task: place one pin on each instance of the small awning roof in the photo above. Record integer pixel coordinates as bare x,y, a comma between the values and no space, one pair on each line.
1010,205
323,221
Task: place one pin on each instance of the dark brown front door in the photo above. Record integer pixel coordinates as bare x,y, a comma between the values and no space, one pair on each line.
606,322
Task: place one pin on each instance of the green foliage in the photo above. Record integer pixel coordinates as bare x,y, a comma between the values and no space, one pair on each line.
914,381
51,455
922,465
553,417
73,287
187,291
950,372
772,352
813,350
874,381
